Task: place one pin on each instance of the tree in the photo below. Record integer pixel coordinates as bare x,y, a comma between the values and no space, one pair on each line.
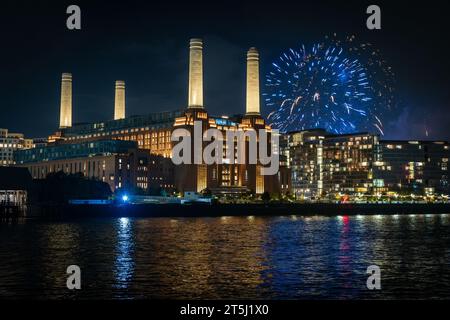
59,187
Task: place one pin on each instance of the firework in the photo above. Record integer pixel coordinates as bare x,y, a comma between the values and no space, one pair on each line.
333,85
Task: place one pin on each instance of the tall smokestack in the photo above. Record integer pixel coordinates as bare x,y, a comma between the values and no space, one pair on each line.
119,102
196,73
65,116
252,107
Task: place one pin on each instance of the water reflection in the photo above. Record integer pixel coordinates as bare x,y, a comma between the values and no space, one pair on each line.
229,257
203,257
344,264
124,263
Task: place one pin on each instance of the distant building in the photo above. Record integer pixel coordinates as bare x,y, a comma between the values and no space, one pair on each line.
305,153
324,164
119,163
151,132
284,175
40,142
413,167
348,163
9,143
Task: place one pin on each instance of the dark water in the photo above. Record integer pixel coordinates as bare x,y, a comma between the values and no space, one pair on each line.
214,258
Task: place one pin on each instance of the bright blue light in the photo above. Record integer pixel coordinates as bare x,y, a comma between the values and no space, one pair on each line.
125,198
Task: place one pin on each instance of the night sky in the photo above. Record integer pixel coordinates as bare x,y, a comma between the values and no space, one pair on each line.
146,44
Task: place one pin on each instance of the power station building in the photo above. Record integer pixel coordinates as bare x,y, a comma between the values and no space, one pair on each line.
222,177
152,135
137,151
119,163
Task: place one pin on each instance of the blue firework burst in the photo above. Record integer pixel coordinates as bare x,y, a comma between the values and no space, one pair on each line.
324,87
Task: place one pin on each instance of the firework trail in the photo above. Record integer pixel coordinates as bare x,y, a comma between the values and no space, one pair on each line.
334,85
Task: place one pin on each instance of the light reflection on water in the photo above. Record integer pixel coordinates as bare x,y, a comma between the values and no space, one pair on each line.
228,257
124,263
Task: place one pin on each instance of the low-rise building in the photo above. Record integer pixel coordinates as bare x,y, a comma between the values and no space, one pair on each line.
151,132
119,163
9,143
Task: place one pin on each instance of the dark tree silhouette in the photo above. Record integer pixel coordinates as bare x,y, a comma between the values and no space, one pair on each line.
59,187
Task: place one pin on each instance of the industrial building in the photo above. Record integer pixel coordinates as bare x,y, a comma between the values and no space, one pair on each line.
152,133
136,151
121,164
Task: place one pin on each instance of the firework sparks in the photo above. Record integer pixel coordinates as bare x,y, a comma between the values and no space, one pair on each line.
333,85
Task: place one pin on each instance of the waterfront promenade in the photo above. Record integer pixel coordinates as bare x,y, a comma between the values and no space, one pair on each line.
257,209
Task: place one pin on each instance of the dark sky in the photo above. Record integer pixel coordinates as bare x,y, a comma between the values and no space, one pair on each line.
146,44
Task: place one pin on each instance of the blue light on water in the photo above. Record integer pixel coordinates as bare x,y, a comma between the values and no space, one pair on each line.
124,222
124,260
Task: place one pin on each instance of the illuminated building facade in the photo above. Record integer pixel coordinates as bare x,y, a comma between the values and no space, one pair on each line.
413,167
9,143
284,179
121,164
153,133
305,153
324,164
348,163
228,174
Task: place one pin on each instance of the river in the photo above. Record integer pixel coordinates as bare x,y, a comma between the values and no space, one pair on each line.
291,257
